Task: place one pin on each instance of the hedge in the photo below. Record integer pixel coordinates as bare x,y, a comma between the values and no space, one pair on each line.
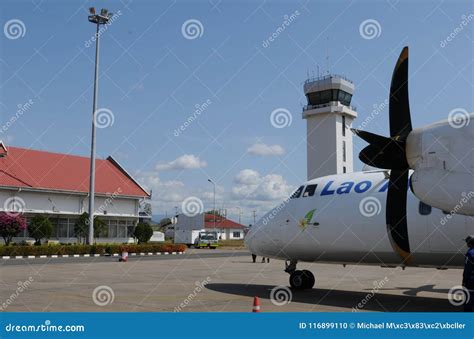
25,250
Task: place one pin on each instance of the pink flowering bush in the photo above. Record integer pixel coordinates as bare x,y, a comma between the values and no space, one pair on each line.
11,225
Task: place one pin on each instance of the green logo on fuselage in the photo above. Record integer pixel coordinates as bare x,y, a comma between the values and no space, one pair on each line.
306,220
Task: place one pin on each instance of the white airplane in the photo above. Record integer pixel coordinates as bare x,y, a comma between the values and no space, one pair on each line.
371,217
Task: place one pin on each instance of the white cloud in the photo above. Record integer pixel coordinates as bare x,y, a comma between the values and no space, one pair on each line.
186,161
249,191
264,150
169,191
250,185
247,177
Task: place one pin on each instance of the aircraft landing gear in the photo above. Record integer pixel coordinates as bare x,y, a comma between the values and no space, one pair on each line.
299,280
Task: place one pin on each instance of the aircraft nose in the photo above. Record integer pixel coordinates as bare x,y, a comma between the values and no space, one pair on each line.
251,239
248,240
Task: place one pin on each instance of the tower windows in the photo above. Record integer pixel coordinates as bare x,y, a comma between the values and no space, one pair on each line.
344,151
343,125
326,96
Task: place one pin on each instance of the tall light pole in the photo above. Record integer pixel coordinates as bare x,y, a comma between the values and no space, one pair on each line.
214,207
240,213
97,19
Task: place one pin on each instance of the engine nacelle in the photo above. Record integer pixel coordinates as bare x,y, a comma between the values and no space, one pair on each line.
444,190
442,157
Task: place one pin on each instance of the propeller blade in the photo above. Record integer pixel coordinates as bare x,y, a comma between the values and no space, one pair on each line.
371,138
387,155
396,214
399,105
374,156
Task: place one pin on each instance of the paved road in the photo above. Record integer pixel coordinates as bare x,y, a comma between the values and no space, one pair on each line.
189,254
216,281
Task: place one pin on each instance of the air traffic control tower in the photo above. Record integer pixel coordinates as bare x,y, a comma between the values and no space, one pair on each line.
329,118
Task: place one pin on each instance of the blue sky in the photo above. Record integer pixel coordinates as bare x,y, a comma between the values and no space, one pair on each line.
152,77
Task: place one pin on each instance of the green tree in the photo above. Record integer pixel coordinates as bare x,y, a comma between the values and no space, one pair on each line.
40,228
143,232
100,228
81,227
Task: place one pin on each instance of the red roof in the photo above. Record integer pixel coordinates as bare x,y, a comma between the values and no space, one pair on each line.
221,222
42,170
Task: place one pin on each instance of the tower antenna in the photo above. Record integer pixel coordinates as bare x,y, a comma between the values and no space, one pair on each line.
327,54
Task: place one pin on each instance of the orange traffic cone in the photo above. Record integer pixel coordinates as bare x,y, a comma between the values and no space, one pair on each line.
256,305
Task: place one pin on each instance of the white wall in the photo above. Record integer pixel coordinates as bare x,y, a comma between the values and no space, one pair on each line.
321,147
325,141
50,202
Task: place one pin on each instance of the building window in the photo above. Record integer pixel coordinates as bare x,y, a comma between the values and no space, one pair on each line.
344,170
343,125
236,234
71,224
309,191
62,228
326,96
122,231
113,229
344,151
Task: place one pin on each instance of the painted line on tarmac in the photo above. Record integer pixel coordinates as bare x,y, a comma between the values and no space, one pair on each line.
5,257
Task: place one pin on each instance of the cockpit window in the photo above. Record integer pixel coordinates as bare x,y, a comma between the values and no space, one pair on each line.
309,191
297,193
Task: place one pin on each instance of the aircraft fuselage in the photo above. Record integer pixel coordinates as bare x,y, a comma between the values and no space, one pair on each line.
343,221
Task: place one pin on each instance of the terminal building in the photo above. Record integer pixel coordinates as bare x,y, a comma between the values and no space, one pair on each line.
329,117
57,185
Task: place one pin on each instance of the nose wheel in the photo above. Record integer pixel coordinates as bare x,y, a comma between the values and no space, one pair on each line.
301,280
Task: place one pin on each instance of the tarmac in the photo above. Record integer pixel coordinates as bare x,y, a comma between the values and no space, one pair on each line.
215,281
